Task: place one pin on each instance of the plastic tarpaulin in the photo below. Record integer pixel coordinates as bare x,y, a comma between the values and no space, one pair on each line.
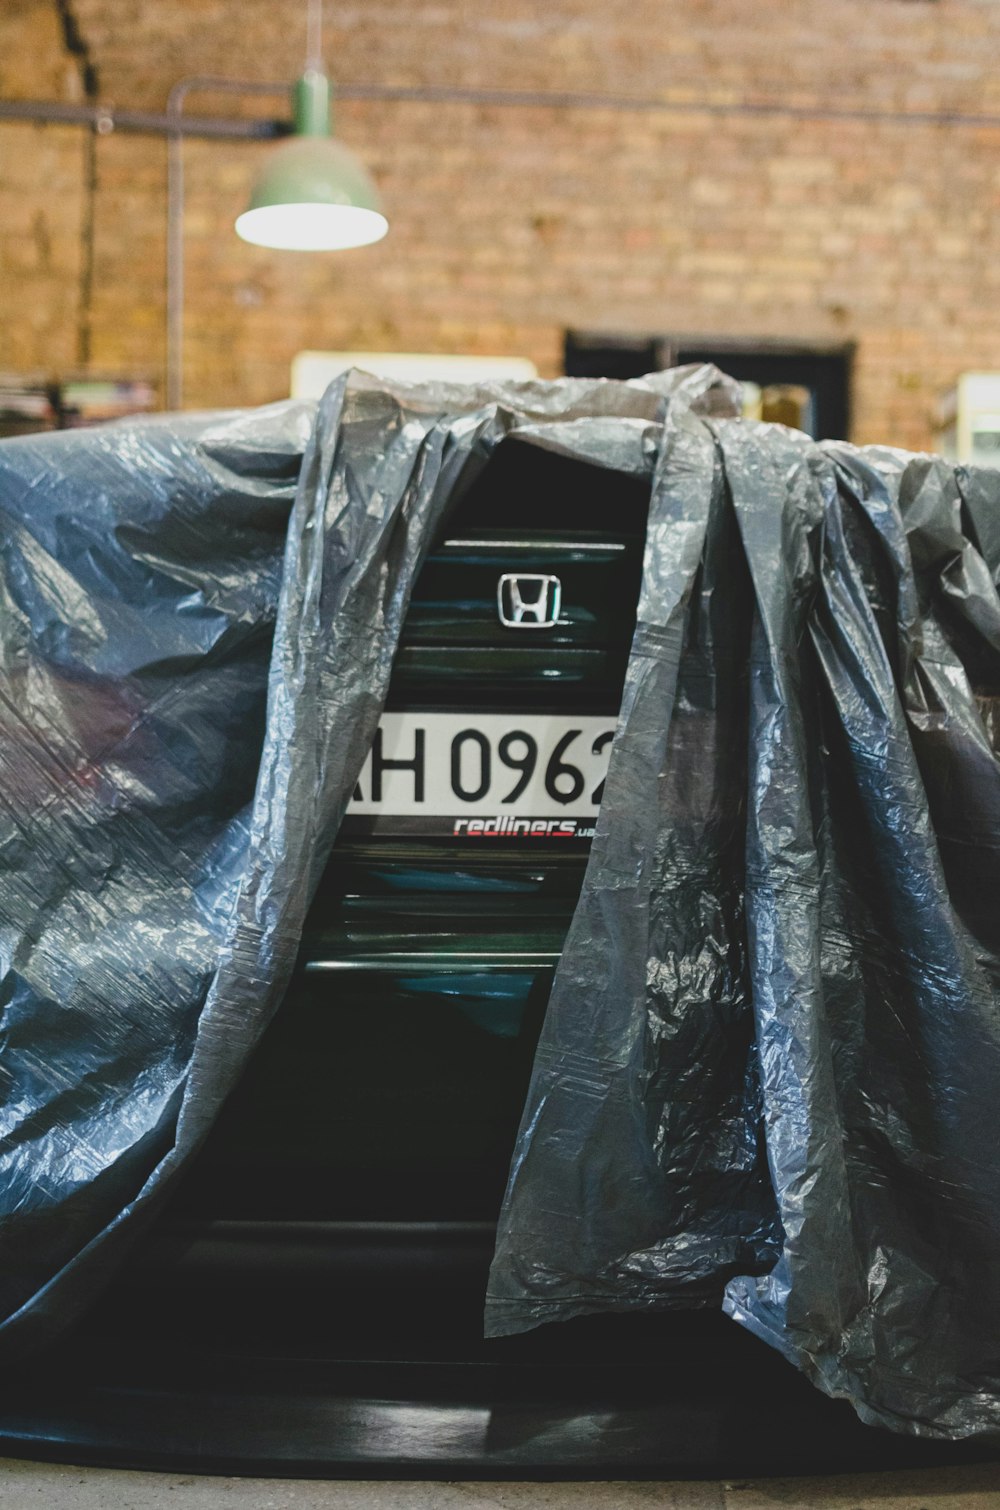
198,617
800,829
771,1055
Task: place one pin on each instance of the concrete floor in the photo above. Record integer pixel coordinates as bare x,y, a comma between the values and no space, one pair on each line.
36,1486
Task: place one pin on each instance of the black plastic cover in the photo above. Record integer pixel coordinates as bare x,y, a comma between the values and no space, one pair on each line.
771,1059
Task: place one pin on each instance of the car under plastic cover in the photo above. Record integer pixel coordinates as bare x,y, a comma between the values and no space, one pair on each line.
769,1066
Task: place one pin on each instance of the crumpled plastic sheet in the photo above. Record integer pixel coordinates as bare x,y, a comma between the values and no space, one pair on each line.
769,1067
771,1059
198,617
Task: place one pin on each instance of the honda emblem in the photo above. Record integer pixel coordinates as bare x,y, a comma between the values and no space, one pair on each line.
528,601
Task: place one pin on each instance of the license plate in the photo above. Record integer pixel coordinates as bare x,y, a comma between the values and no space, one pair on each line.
484,775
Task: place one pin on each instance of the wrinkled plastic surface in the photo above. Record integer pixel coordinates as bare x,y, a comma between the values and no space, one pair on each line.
771,1061
787,942
197,623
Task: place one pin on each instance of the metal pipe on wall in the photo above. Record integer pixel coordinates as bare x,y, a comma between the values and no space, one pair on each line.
175,125
158,123
175,211
108,118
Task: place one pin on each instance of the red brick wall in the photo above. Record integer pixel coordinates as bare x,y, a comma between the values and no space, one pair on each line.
511,224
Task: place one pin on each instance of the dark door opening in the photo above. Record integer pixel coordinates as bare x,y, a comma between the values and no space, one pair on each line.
808,388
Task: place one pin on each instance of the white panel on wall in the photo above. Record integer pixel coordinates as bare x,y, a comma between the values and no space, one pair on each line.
313,371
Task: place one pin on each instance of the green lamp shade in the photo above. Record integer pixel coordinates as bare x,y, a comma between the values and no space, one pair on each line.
313,195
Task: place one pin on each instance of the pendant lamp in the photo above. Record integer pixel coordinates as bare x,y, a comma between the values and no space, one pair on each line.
313,194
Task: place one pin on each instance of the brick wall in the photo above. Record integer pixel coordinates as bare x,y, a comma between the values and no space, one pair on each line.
42,173
510,224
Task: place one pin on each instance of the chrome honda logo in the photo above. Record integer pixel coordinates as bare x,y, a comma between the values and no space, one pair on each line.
528,601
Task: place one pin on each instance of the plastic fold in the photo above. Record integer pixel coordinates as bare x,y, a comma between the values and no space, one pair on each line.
771,1059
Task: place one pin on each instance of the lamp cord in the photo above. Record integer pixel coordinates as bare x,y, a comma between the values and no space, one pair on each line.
314,36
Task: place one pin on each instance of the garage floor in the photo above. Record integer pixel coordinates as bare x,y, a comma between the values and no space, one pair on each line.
34,1486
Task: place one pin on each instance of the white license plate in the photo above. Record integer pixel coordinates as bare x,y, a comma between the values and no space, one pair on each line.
487,774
